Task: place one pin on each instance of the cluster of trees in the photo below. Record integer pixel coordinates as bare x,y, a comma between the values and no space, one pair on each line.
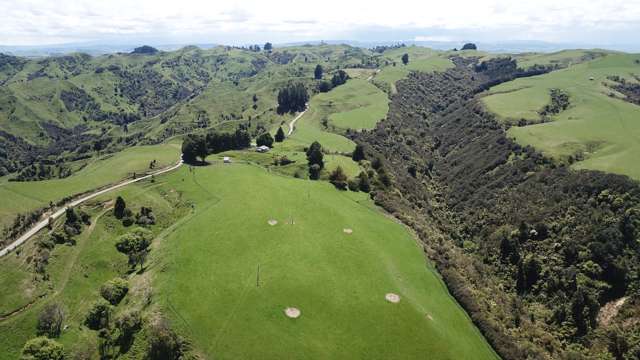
549,246
292,98
41,171
144,217
198,146
382,48
630,89
469,46
559,102
265,139
135,245
315,160
339,77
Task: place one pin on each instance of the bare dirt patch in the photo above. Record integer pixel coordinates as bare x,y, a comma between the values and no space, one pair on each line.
610,310
392,298
292,312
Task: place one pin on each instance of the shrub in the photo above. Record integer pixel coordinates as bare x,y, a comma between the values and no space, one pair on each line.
98,315
353,184
50,321
114,290
358,153
42,348
164,344
338,178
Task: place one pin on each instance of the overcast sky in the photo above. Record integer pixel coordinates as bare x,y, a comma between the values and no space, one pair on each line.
40,22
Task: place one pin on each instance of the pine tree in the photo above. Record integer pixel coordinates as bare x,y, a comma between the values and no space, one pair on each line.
279,135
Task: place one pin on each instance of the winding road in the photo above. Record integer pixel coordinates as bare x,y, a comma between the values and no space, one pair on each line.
43,223
293,122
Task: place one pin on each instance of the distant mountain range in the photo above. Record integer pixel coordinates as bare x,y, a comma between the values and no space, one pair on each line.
98,48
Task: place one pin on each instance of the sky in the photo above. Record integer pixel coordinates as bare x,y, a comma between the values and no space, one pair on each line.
47,22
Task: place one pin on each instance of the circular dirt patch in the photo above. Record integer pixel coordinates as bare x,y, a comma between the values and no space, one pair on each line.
272,222
347,231
292,312
393,298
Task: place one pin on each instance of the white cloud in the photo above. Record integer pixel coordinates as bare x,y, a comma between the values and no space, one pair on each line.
45,21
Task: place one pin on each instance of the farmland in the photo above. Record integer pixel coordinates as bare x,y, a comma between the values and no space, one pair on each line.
600,130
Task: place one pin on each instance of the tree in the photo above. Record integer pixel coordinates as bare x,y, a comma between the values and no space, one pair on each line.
98,315
164,344
338,178
192,147
265,139
128,323
469,46
339,78
324,86
268,47
50,321
405,58
119,207
135,245
358,153
315,155
365,185
314,171
292,98
317,72
279,135
42,348
114,290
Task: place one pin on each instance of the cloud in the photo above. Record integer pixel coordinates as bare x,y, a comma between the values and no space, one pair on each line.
29,22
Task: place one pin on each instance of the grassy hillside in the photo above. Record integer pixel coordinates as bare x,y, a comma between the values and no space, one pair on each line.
420,59
74,275
598,128
337,280
205,274
20,197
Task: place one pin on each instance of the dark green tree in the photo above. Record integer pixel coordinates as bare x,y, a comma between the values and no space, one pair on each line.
119,207
469,46
339,78
324,86
358,153
194,146
268,46
317,72
314,171
365,185
315,155
292,98
264,140
405,58
98,315
279,135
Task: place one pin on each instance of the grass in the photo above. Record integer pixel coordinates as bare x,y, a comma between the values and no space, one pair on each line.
602,129
358,104
420,59
76,272
20,197
337,280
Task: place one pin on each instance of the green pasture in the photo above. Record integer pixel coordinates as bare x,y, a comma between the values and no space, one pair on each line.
229,275
602,129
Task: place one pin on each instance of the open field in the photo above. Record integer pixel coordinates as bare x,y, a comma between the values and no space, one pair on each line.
337,280
420,59
604,130
19,197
